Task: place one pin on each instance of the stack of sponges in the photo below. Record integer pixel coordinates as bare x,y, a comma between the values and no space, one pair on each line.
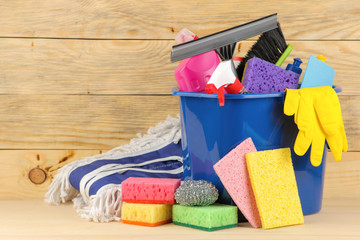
196,208
148,201
262,184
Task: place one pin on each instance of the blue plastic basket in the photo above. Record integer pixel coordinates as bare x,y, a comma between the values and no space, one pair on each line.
209,132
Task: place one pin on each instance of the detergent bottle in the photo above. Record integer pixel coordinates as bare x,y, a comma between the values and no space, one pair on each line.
192,74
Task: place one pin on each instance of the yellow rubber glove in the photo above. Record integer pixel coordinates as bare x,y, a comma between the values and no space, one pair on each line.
317,114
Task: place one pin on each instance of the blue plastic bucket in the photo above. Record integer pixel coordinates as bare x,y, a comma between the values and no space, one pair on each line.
209,132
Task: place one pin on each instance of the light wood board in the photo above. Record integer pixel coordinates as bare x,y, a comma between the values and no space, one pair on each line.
66,66
157,19
79,121
15,182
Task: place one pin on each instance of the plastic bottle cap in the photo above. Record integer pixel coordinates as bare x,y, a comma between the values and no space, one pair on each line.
236,58
322,58
185,35
297,62
295,67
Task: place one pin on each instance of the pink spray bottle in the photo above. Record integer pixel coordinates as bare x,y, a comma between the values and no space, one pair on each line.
192,74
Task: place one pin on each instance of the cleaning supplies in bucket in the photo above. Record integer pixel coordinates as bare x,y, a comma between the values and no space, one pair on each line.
210,132
224,42
271,46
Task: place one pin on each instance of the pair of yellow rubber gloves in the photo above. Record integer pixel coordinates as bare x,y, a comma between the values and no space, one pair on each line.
317,114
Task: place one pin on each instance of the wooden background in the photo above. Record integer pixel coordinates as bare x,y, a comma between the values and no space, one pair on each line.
81,77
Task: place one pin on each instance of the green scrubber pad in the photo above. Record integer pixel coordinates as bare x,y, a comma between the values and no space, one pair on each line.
273,181
209,218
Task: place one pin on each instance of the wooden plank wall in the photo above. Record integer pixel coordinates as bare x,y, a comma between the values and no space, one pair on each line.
81,77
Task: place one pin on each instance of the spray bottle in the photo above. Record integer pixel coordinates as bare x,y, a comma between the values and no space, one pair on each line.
223,79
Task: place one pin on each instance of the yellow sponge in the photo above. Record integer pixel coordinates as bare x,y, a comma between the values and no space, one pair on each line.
146,214
273,181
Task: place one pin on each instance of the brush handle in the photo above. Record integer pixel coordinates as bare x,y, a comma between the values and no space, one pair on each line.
285,54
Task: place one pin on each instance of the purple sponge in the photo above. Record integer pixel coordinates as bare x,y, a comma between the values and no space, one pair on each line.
264,77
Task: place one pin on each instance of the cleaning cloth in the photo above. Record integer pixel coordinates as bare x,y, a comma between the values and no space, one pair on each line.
94,183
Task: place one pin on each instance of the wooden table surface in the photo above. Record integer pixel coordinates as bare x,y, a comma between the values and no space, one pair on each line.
34,219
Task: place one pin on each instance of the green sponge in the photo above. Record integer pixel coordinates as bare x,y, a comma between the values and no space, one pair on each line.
208,218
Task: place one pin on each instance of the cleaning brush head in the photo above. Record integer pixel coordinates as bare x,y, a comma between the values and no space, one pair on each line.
226,52
269,47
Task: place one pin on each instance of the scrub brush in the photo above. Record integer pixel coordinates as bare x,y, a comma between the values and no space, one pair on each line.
226,52
270,47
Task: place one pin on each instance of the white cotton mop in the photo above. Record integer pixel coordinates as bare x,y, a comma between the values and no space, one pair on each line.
94,183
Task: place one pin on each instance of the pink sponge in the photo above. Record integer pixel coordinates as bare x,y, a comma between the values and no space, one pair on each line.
233,173
149,190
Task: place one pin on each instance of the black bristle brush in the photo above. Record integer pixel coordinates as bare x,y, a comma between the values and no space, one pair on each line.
226,52
269,47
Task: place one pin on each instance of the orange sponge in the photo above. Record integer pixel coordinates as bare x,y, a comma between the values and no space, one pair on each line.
273,181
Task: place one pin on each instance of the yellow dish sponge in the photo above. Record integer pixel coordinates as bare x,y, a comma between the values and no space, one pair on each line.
146,214
273,181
